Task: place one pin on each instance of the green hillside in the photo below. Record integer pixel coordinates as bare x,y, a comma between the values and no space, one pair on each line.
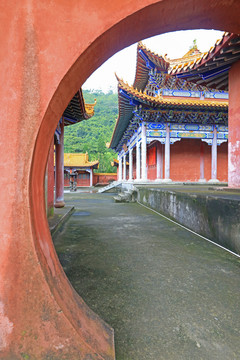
93,134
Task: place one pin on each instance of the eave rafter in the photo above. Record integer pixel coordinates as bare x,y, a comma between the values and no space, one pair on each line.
146,59
219,58
77,110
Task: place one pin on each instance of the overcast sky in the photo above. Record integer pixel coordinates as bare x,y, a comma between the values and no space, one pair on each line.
174,44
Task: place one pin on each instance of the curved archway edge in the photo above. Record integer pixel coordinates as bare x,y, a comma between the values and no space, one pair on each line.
49,50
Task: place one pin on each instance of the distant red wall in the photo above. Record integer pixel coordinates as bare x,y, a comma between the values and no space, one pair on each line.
83,182
152,162
83,179
66,180
104,178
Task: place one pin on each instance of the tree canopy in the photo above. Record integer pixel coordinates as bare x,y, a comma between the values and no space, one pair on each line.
92,135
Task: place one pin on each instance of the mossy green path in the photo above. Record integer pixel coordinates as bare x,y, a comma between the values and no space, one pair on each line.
167,293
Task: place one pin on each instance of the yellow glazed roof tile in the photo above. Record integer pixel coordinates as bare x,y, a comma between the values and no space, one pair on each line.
78,160
198,57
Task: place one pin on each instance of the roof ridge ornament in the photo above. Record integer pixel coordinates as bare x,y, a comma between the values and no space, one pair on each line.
117,77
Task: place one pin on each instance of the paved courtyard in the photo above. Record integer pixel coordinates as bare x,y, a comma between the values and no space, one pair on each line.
167,293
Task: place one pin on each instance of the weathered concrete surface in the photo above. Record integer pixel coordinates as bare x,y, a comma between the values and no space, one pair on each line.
214,214
168,294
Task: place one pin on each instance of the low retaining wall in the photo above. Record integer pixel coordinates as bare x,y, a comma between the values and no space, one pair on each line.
215,218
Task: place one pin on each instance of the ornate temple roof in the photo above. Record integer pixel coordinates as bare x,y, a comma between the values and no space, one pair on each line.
129,98
79,160
115,162
166,101
210,68
175,85
190,57
77,110
146,59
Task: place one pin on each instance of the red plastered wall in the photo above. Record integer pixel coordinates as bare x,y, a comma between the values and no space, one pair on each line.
83,182
102,178
134,166
222,162
151,163
185,161
207,161
80,181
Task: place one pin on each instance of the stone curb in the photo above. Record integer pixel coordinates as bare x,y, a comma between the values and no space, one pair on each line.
62,220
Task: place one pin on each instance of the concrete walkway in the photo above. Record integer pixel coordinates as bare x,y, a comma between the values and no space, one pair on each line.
167,293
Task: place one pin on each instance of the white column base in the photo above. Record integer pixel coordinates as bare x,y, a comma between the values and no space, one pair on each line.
162,181
166,181
202,181
141,180
213,181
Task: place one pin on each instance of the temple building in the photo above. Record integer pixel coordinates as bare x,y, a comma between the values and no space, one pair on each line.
169,127
78,167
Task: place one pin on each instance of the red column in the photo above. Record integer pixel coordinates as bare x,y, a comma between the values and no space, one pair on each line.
50,186
59,169
234,127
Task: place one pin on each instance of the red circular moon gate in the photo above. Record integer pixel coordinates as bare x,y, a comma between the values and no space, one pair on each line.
48,49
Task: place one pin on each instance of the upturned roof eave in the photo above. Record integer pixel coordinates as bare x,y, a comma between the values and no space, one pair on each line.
86,111
142,71
209,55
206,63
124,116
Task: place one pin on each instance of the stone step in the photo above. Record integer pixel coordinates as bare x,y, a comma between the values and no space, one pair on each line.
110,186
126,196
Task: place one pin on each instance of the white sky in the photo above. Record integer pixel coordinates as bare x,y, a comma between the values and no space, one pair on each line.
174,44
